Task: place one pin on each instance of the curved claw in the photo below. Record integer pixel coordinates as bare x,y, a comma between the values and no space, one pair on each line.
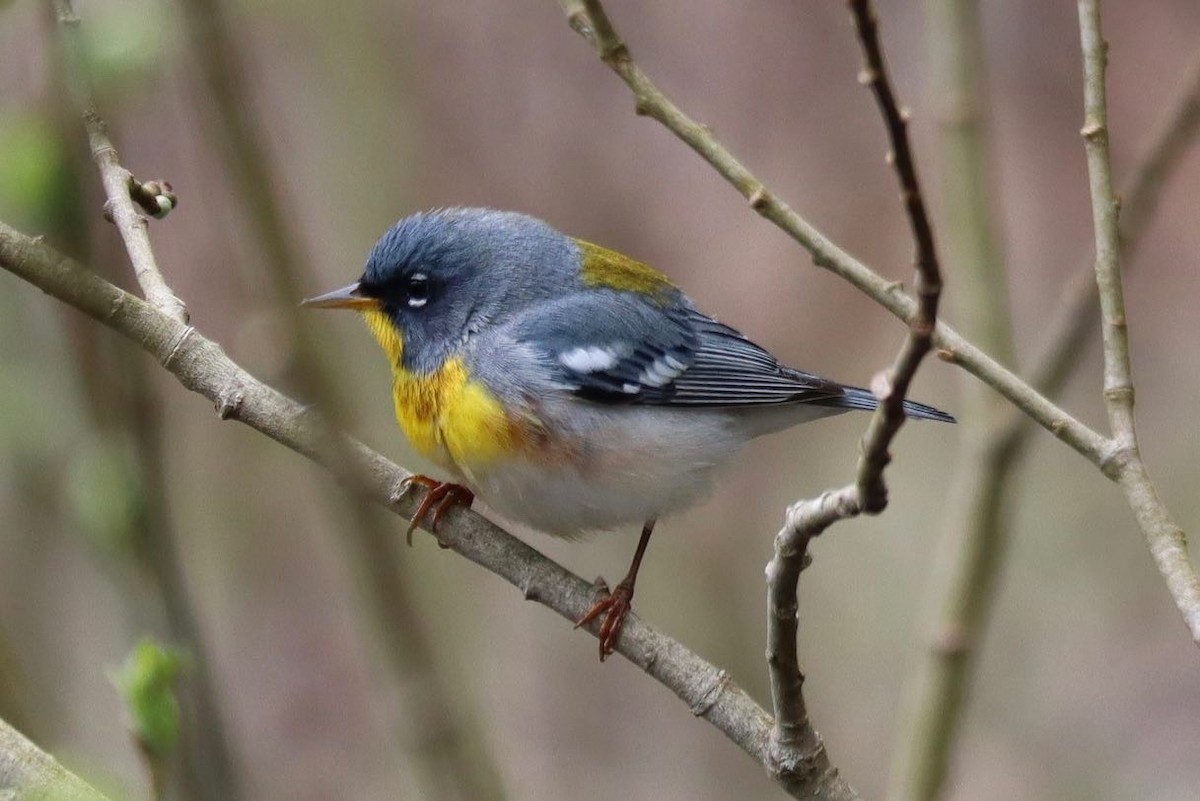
440,496
614,606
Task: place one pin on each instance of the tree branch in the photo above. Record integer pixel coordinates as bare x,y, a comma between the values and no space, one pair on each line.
1166,539
969,557
29,773
128,417
1118,372
1079,308
796,749
892,388
119,184
588,19
202,367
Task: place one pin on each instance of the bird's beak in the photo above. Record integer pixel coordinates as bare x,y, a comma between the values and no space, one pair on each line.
348,297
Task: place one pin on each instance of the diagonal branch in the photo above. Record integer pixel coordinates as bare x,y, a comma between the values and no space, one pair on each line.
966,572
1166,539
27,771
202,367
590,21
120,186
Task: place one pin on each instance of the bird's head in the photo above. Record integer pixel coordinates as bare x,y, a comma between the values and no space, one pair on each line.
436,278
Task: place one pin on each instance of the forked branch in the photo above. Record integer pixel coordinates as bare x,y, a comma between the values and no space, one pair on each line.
120,186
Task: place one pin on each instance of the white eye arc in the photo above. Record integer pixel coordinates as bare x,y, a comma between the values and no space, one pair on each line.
418,290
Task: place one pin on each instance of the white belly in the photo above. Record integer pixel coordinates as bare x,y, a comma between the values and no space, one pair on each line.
626,466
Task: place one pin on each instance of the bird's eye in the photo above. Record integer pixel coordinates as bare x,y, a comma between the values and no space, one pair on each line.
416,294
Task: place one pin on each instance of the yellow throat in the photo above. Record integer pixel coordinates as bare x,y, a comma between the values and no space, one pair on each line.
448,417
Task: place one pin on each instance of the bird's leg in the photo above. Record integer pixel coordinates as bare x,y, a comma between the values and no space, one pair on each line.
615,605
439,496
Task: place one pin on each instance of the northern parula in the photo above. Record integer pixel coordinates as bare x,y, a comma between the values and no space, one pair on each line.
572,388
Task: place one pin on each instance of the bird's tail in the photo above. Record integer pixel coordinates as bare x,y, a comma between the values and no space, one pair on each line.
855,398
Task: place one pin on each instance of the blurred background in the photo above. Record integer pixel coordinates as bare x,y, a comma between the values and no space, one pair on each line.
115,481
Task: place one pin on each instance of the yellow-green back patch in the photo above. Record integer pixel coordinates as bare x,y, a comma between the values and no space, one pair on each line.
607,268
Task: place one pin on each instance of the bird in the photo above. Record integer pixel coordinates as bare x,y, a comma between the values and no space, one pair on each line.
572,388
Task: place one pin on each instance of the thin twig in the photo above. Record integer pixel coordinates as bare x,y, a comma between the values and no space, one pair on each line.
129,412
795,751
1169,550
120,186
892,387
795,746
588,18
1166,539
1079,308
202,367
1118,371
972,545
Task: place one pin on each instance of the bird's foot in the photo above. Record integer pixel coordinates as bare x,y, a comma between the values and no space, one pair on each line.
614,606
440,496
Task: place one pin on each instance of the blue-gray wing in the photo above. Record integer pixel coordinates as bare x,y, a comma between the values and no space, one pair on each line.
617,347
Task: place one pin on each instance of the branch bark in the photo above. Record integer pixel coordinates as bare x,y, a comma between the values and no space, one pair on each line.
892,388
1079,308
587,18
1118,370
796,749
1166,539
951,346
119,183
202,367
127,414
971,550
29,773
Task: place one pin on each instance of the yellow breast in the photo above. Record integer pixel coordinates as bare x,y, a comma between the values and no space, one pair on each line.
447,416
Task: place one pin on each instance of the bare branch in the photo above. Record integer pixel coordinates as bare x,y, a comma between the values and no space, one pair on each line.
1118,373
796,752
588,19
202,367
793,740
1079,308
891,388
971,550
28,772
1124,463
119,184
796,749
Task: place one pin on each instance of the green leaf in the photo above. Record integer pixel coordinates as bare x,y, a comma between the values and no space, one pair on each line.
147,683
